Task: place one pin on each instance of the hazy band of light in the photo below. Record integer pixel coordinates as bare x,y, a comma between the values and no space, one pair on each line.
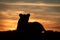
33,4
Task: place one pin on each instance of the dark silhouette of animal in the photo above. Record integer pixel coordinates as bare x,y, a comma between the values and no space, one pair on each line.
33,29
23,24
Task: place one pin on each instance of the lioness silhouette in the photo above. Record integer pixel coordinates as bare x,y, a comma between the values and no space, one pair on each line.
33,29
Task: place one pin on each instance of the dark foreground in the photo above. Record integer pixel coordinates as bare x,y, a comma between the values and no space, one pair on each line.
48,35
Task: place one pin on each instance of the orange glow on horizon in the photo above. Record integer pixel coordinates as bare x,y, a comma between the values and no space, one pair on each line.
12,24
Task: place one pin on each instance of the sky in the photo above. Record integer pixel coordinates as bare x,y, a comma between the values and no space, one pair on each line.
46,12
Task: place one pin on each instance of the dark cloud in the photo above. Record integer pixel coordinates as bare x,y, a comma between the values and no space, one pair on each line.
27,7
48,17
46,1
3,7
51,1
54,9
17,7
19,0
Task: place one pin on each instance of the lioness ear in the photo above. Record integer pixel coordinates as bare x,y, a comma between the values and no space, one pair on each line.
20,14
28,14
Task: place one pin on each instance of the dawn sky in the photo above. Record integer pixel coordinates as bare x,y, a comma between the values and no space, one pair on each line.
46,12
